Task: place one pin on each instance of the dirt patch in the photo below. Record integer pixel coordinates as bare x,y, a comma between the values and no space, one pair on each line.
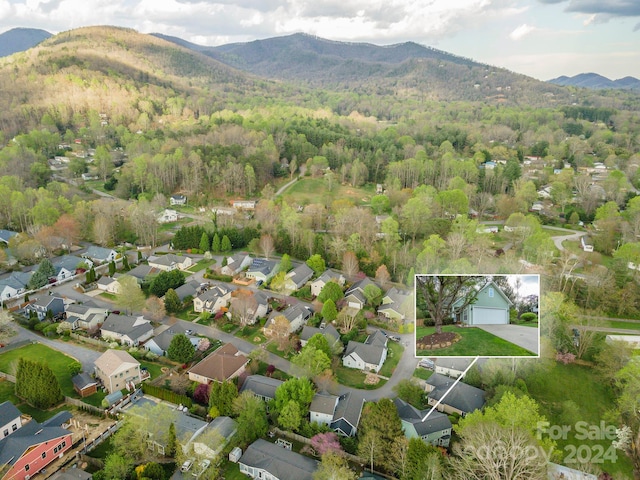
371,379
437,340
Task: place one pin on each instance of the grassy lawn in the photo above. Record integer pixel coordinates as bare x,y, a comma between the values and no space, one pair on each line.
201,265
187,314
526,324
252,333
350,377
394,354
615,324
279,374
554,388
6,392
231,471
474,342
95,399
422,373
108,296
59,363
273,348
310,190
155,369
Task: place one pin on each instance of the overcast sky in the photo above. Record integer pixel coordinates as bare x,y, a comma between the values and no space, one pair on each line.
541,38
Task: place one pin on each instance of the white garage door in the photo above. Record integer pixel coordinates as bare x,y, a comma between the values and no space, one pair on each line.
489,316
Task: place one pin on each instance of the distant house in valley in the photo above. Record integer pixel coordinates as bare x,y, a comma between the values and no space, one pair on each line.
168,216
244,204
178,200
117,370
225,363
126,330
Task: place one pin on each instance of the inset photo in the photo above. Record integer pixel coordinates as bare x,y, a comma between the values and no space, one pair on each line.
477,315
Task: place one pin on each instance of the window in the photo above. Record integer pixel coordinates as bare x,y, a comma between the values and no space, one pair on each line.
14,427
26,468
55,449
6,432
44,454
64,443
490,292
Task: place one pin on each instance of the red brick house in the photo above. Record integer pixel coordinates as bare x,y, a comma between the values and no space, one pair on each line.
29,449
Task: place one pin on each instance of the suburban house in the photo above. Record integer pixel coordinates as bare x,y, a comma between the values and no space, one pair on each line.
296,315
109,284
100,255
84,385
117,369
67,265
30,448
14,285
396,304
451,366
491,307
327,276
436,429
6,235
462,399
266,460
126,330
44,304
214,299
142,271
367,356
256,306
168,216
188,289
347,415
10,419
244,204
160,343
355,294
329,331
322,408
85,316
586,244
177,200
262,269
225,363
71,474
236,264
224,427
262,387
170,262
298,277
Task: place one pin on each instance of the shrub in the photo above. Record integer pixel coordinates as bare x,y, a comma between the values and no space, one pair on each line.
528,317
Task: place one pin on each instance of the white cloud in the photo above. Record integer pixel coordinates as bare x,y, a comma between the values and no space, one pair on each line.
521,32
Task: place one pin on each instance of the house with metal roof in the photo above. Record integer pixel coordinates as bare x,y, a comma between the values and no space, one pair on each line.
436,429
264,459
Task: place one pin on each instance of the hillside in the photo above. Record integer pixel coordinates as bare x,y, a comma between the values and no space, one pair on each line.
20,39
597,82
406,70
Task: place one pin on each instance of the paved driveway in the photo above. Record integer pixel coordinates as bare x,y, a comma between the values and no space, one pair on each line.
525,337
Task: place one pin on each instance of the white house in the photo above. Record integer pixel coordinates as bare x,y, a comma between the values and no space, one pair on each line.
367,356
322,408
328,276
214,299
170,262
168,216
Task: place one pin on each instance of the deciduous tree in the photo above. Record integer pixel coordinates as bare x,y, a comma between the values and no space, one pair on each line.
130,295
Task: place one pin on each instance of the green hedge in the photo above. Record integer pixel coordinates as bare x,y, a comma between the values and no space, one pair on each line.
167,395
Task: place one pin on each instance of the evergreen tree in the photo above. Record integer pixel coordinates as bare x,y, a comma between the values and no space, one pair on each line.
181,349
112,268
42,275
329,310
172,303
222,396
225,245
204,242
37,384
125,262
215,243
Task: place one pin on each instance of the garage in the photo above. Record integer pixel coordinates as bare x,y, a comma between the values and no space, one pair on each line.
490,316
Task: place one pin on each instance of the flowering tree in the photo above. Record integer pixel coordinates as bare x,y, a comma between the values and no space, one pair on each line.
326,442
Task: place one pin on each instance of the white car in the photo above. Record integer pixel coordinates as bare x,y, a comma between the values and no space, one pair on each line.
204,464
186,466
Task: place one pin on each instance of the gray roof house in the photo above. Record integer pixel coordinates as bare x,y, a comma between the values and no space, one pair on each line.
296,278
436,429
322,408
170,262
160,343
188,289
452,367
263,459
10,419
395,304
322,280
45,303
66,266
127,330
330,333
355,294
100,254
368,356
215,298
178,199
85,316
262,269
14,285
236,263
296,314
261,386
347,415
6,235
462,399
142,271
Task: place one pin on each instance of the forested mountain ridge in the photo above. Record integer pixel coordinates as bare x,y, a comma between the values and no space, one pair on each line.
21,39
595,81
407,69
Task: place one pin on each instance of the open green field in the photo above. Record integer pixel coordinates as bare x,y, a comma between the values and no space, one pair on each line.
573,393
202,264
60,363
350,377
394,354
311,190
252,333
474,342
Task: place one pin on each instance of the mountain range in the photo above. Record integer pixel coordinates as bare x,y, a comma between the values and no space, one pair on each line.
597,82
20,39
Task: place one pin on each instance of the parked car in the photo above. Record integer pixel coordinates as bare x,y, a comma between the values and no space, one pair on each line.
394,338
204,464
186,466
426,363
